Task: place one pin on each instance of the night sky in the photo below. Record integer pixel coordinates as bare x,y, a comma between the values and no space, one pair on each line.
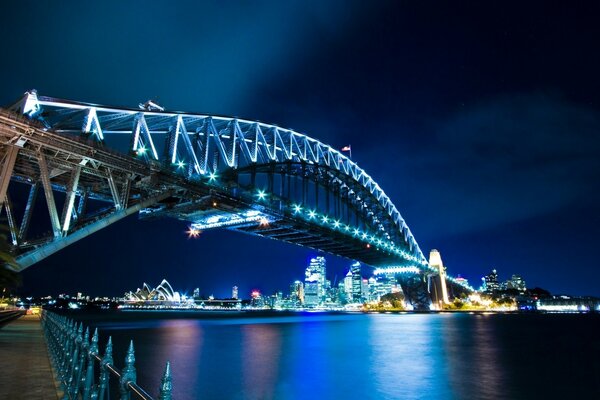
480,120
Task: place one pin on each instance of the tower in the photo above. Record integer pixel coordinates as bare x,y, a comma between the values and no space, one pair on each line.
435,261
314,282
356,282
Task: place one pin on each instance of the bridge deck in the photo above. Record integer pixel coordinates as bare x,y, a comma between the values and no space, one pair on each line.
26,371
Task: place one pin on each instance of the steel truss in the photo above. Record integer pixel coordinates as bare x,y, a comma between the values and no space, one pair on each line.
207,164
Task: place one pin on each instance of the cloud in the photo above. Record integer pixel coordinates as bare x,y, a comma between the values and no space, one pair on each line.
506,160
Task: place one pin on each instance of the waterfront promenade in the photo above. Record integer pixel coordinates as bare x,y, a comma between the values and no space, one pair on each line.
24,362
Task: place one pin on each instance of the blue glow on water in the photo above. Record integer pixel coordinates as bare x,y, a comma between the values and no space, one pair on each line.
357,356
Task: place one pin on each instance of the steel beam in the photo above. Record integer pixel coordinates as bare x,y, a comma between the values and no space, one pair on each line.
45,177
113,190
25,260
81,207
7,168
28,211
12,224
67,214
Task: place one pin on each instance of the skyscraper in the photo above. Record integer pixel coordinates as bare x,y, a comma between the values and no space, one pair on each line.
234,292
314,282
356,282
297,292
491,282
348,285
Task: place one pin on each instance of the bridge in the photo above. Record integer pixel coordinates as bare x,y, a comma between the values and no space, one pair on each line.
99,164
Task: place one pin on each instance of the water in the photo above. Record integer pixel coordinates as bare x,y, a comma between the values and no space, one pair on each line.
359,356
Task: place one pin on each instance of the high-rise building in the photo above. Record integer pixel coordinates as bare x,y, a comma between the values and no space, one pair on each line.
348,285
297,292
314,282
356,283
491,281
196,294
516,282
234,292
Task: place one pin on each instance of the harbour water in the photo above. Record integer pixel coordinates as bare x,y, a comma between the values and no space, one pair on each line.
361,356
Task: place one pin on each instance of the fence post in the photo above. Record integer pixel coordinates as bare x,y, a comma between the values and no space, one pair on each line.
89,376
128,374
165,384
104,376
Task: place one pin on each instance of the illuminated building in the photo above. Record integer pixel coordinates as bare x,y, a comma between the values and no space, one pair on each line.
256,299
491,282
356,282
234,292
348,284
516,282
314,282
297,292
162,293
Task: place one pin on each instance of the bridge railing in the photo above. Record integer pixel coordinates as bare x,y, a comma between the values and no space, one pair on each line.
75,357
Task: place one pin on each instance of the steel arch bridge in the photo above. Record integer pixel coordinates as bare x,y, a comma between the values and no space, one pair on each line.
213,171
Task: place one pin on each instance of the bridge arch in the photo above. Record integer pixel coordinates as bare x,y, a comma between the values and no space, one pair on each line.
211,171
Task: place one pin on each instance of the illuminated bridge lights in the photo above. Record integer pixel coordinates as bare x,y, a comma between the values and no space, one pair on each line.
141,150
228,220
460,283
384,244
212,177
180,164
261,195
193,232
397,270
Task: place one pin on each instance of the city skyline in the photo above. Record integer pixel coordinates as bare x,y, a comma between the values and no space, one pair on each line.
491,160
334,279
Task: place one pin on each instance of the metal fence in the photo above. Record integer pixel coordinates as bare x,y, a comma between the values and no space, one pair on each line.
75,357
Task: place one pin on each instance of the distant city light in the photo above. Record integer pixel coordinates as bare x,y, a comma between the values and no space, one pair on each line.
297,208
261,194
311,214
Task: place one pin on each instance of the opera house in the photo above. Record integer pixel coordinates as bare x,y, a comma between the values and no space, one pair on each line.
162,295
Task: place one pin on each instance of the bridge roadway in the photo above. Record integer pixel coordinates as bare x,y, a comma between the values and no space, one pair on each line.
24,361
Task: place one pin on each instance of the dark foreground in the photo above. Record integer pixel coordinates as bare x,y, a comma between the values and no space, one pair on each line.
25,371
361,356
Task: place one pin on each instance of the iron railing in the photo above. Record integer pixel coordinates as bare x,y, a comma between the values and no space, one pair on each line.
75,356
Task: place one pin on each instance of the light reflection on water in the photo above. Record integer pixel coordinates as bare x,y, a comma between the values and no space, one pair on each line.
355,356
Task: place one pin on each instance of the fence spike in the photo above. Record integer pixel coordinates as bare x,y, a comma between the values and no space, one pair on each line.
166,385
128,374
94,345
108,358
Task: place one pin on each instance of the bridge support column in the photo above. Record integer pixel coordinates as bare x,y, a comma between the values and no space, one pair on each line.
415,291
7,169
28,211
67,214
44,174
12,223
